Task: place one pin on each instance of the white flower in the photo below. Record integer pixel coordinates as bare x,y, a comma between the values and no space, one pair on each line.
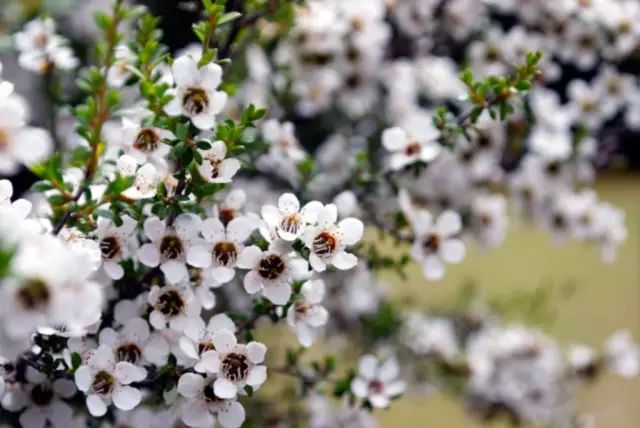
307,314
622,356
131,343
489,219
435,243
196,95
143,143
145,183
282,140
6,88
236,365
49,287
198,339
431,336
41,49
230,207
582,359
104,380
552,145
203,406
116,243
214,167
15,213
19,144
408,147
83,246
288,220
44,404
327,240
376,382
271,271
585,104
119,72
169,245
608,229
218,259
172,305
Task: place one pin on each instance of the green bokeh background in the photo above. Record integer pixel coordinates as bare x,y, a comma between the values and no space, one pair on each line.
605,297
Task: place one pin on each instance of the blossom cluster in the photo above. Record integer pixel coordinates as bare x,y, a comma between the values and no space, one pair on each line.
197,193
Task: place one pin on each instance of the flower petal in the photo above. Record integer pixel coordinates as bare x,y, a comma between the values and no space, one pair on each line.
223,340
126,397
249,257
449,223
352,230
256,352
278,294
190,385
257,375
199,256
453,250
232,416
96,406
288,204
223,388
367,366
185,71
344,261
394,138
127,373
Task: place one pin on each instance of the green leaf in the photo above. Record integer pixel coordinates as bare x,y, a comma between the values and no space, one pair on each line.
76,360
203,145
228,17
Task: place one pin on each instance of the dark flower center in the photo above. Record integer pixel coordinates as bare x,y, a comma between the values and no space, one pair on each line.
4,138
553,168
376,387
353,53
235,367
147,140
492,53
271,266
587,42
205,346
431,243
589,106
559,221
40,40
129,352
110,247
170,303
353,81
317,58
41,395
412,149
171,247
226,215
33,294
302,309
195,100
195,277
225,253
324,243
291,223
485,219
625,27
215,167
103,383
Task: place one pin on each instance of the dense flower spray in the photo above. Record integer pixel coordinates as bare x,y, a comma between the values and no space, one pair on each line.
243,178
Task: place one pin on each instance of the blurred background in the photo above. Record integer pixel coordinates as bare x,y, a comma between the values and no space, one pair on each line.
587,300
567,290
